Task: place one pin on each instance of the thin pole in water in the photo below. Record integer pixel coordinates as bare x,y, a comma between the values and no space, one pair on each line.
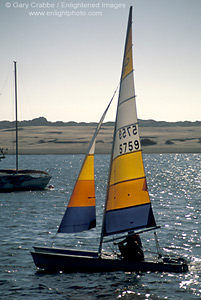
16,120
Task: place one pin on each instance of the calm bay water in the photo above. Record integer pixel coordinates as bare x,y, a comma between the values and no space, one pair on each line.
32,218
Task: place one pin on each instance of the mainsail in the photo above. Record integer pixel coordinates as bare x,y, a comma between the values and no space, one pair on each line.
80,213
128,205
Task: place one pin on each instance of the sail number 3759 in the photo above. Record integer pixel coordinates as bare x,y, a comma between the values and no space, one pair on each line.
126,135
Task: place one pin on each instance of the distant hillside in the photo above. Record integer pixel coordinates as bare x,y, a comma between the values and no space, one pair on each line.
152,123
41,121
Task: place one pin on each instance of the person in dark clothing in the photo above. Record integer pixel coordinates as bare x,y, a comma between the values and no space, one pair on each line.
131,248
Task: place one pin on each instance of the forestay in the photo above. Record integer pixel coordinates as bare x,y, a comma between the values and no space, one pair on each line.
80,213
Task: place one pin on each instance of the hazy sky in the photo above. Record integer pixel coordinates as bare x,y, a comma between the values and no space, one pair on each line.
69,58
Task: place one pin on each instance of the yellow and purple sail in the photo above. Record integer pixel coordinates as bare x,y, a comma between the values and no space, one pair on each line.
80,214
128,205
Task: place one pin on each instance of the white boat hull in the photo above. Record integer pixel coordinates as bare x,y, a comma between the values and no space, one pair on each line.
24,180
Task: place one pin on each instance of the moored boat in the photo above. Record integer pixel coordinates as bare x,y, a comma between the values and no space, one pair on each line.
19,179
23,180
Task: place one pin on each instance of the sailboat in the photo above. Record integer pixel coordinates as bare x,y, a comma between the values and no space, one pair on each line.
128,209
20,179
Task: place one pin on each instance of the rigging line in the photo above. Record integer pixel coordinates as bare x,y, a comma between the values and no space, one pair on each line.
5,82
27,99
115,91
159,252
101,122
53,240
93,139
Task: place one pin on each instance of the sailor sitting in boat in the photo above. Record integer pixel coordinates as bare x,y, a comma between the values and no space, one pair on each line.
131,248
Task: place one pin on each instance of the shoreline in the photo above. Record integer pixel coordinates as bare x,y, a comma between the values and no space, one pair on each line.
75,139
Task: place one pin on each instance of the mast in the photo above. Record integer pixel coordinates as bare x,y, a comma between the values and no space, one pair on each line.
128,27
16,120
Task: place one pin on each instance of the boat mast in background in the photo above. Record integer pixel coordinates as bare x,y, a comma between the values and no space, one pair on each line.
16,115
20,179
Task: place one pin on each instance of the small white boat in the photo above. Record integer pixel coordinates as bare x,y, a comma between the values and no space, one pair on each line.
18,179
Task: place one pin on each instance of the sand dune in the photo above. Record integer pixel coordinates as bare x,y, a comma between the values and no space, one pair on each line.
75,139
